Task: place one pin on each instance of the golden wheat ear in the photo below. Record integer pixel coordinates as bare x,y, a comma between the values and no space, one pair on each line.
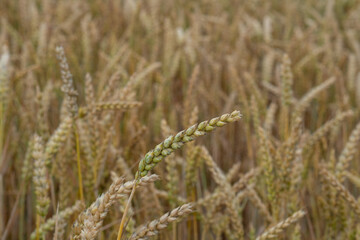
154,227
68,88
274,232
89,222
340,189
40,178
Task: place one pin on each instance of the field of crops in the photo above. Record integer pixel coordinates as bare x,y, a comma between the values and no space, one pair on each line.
179,119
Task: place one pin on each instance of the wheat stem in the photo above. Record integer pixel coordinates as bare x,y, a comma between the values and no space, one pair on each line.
78,161
122,224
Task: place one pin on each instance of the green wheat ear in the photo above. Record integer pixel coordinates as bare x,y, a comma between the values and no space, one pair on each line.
153,157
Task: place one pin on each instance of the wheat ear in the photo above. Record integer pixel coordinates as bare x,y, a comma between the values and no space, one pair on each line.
258,203
344,193
153,227
233,172
68,83
172,143
65,214
324,129
95,214
89,222
268,164
216,172
348,153
273,233
40,178
103,106
286,81
57,139
243,181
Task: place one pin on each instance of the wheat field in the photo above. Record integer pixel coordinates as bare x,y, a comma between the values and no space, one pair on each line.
179,119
